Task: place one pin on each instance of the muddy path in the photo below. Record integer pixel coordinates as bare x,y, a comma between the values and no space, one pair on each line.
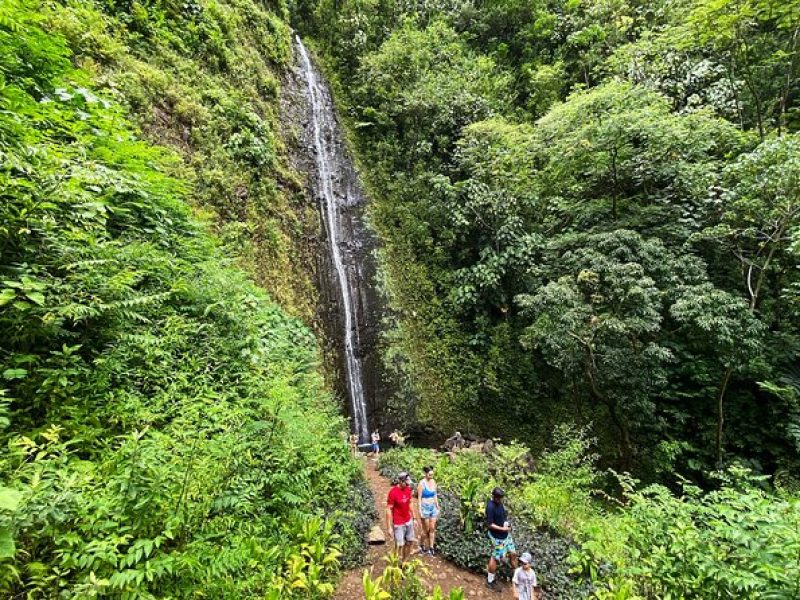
439,571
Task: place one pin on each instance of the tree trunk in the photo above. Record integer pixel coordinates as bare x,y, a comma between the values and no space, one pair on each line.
625,444
784,102
614,181
755,293
723,387
732,82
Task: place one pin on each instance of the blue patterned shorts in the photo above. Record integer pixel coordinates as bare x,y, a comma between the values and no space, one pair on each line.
502,547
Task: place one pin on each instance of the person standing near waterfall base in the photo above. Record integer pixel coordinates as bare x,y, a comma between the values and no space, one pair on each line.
400,516
376,438
354,445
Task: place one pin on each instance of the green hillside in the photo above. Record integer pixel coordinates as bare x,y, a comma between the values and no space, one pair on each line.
166,431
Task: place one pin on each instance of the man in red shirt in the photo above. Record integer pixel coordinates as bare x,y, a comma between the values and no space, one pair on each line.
399,516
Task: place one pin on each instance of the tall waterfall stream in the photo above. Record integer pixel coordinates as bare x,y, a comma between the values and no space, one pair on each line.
336,193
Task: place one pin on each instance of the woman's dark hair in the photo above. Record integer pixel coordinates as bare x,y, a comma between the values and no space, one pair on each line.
427,470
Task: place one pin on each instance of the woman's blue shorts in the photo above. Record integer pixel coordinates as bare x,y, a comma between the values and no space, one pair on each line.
428,511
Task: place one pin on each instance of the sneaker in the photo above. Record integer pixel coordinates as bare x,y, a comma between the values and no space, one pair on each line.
493,587
431,552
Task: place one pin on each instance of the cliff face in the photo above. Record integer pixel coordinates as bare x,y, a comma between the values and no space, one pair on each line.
349,309
204,79
219,83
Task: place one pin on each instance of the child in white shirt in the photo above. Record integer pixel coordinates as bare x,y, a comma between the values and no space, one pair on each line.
525,579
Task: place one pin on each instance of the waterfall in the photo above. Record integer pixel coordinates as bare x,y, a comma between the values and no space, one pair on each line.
329,156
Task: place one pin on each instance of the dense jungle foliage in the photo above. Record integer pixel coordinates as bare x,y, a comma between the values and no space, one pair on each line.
589,212
203,77
165,430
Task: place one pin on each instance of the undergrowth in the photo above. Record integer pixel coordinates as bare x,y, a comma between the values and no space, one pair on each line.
164,427
628,542
404,582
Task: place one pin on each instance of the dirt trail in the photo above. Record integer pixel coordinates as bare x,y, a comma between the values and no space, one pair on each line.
441,572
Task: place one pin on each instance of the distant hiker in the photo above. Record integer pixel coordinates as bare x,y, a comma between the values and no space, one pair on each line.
525,585
454,442
398,438
428,496
376,437
399,516
353,444
499,534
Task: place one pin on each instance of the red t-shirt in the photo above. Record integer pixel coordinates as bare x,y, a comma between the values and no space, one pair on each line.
399,501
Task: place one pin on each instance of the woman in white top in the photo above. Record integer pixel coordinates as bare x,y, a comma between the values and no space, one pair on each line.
525,579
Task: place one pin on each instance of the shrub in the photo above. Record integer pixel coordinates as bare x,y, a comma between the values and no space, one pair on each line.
559,494
165,426
736,541
353,521
412,460
402,582
465,481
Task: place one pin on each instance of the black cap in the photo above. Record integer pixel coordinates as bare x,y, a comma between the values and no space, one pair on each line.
499,492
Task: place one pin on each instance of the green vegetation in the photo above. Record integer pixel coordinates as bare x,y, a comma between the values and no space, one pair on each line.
166,431
403,582
735,541
588,210
203,77
589,213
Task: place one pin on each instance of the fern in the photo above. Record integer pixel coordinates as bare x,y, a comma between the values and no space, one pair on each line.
150,388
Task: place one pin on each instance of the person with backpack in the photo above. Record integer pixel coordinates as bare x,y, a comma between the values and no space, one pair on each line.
499,532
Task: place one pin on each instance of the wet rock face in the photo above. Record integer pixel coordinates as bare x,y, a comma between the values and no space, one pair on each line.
349,311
